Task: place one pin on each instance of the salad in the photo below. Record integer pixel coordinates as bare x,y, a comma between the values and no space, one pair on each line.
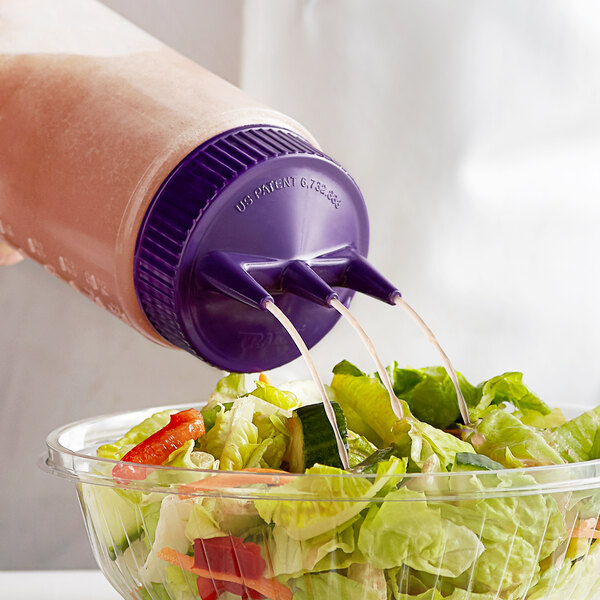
429,508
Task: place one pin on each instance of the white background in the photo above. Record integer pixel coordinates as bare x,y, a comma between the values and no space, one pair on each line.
473,129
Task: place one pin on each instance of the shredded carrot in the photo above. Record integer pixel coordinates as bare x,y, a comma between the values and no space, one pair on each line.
263,377
587,529
586,533
233,479
271,588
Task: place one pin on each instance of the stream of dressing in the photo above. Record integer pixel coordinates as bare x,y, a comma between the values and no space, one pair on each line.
464,411
383,374
289,327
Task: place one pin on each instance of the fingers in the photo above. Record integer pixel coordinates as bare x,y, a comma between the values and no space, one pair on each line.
8,255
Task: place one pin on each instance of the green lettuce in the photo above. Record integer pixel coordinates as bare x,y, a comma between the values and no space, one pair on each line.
430,393
505,439
517,531
274,437
420,442
234,437
170,533
402,584
185,457
275,396
178,585
359,448
405,530
228,388
577,440
535,419
507,388
371,577
135,435
289,558
366,404
201,522
332,585
570,579
306,516
306,391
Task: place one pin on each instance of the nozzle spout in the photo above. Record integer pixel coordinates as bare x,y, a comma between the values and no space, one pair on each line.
347,268
299,279
226,273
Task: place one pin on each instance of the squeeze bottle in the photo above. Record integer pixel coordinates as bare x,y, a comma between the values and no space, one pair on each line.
166,195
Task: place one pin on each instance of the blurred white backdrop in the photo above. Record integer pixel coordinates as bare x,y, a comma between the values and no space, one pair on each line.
473,130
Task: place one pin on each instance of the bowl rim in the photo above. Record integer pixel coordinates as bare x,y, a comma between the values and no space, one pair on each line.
53,458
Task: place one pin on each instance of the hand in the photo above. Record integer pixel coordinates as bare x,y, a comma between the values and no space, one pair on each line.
8,255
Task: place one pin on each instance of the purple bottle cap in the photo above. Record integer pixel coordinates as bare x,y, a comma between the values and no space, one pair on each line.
222,229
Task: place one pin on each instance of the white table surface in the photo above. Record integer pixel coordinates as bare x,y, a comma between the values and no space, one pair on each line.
55,585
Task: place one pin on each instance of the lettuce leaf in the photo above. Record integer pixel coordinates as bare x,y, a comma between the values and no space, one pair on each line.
274,437
307,516
371,577
275,396
178,585
405,530
577,440
574,580
420,441
306,391
290,558
505,439
516,531
507,388
170,533
201,522
359,448
366,405
228,388
536,419
332,585
430,393
234,437
135,435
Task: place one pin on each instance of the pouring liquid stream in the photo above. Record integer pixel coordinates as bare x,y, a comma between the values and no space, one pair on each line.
383,374
464,411
297,338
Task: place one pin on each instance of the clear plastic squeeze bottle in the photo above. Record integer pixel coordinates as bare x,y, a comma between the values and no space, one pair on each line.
154,188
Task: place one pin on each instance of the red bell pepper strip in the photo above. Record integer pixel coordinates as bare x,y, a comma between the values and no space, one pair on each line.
270,588
211,589
156,449
229,555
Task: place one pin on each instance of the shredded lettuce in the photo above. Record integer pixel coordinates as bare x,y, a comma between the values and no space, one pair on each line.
420,441
517,532
373,533
505,439
289,558
366,405
135,435
405,530
332,585
228,388
280,398
430,393
345,497
578,439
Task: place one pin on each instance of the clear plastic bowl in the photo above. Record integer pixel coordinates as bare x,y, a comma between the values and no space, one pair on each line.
484,535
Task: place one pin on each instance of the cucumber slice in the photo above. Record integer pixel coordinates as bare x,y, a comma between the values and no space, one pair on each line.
312,439
467,461
116,519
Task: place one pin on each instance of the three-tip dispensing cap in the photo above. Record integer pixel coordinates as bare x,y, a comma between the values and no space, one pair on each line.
252,215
